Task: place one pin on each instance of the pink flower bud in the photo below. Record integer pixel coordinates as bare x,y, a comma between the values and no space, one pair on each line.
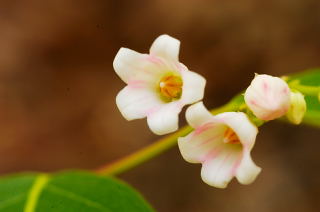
268,97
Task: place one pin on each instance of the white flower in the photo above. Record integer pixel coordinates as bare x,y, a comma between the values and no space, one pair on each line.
222,143
158,84
268,97
298,108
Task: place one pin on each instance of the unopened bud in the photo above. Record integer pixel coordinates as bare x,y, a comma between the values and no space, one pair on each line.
268,97
297,108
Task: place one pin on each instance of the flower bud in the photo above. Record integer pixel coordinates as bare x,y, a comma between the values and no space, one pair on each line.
268,97
297,108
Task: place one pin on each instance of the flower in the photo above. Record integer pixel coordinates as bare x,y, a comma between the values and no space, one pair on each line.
298,107
158,84
268,97
222,144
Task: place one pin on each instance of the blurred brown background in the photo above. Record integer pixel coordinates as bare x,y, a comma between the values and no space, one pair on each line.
58,88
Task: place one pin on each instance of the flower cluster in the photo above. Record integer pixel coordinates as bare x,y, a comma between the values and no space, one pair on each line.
159,86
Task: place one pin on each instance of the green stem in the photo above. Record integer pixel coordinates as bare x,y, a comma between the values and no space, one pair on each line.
155,149
144,154
305,89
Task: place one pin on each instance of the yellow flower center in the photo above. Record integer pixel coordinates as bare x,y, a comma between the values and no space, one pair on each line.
170,88
230,137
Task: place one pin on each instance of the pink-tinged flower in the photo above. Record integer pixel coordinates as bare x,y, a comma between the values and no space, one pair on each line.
158,84
222,144
268,97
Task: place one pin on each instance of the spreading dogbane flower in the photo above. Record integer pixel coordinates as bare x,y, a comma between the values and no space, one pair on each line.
268,97
222,144
158,85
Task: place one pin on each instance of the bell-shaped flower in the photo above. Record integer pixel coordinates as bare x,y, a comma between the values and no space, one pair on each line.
158,84
298,107
222,144
268,97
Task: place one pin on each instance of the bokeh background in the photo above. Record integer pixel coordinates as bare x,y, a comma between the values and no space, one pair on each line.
58,88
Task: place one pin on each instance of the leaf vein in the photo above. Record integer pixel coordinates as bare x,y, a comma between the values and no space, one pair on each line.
76,197
35,192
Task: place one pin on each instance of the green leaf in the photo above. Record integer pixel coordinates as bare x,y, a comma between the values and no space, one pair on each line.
309,77
312,116
309,80
68,192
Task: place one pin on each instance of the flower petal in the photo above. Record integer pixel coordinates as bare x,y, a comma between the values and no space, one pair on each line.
220,169
197,114
202,143
193,86
241,125
127,62
165,118
247,170
135,103
166,46
131,66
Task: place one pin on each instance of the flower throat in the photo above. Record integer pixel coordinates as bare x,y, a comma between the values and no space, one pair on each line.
170,88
